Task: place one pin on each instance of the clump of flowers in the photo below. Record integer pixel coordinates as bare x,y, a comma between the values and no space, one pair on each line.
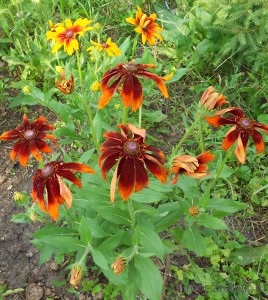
242,129
146,26
29,139
129,151
109,47
66,36
49,179
127,73
65,86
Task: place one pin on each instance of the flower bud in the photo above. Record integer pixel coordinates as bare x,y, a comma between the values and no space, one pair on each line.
76,275
20,197
194,210
119,265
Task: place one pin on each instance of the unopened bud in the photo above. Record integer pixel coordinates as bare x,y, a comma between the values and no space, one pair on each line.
76,275
119,265
194,210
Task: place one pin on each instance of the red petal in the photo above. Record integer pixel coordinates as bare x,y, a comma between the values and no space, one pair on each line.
141,176
124,130
24,154
76,167
65,193
240,151
108,152
108,164
230,138
232,110
34,150
127,91
258,140
42,146
53,207
26,123
114,135
205,157
37,124
261,126
70,176
153,166
218,121
10,135
137,94
127,179
16,149
158,152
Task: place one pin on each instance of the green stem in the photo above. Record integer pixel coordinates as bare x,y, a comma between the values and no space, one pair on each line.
134,46
213,182
132,214
140,116
79,68
87,250
188,132
124,117
201,141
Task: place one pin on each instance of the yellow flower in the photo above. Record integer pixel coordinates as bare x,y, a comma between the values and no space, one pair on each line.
66,36
117,106
146,26
59,69
95,86
110,48
20,197
26,89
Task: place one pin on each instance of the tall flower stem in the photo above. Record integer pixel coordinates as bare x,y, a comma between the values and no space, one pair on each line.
124,117
140,116
132,213
87,250
201,141
213,182
188,132
134,46
79,68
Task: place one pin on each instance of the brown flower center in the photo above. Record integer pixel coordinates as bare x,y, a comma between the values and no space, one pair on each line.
47,171
132,148
29,134
245,123
104,45
69,34
130,67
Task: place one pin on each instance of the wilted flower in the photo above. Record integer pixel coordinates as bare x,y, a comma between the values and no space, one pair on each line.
49,179
194,167
65,86
242,129
66,36
127,73
211,100
29,138
118,265
131,153
193,211
110,48
146,26
95,86
76,275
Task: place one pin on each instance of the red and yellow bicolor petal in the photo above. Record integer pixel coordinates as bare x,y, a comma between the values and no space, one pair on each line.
10,135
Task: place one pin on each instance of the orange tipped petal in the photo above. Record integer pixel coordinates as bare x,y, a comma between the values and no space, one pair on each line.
258,140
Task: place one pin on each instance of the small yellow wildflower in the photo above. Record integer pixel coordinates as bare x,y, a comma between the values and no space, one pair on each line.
26,89
109,47
20,197
95,86
59,69
117,106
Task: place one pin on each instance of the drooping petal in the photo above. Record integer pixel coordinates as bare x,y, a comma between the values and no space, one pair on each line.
218,121
205,157
158,152
127,91
137,131
108,164
70,176
240,151
108,152
141,176
137,94
230,138
55,188
261,126
16,149
34,150
24,154
65,192
72,166
155,168
127,179
258,140
113,185
53,206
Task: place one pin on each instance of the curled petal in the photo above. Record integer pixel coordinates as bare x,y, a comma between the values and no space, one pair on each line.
230,138
155,168
70,176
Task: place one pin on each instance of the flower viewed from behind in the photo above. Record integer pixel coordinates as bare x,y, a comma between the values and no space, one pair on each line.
109,47
146,26
30,139
194,167
211,100
49,180
66,35
65,86
128,150
242,129
127,73
118,265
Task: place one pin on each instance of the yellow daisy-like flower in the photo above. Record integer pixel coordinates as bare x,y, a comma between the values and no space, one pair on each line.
95,86
146,26
66,36
110,48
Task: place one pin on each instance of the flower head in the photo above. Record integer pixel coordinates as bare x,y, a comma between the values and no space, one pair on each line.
118,265
49,179
110,48
127,73
146,26
193,210
65,86
30,139
66,36
95,87
194,167
76,275
211,100
132,155
241,130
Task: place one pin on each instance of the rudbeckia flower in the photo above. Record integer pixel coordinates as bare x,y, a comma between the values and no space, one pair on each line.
242,129
66,36
146,26
30,139
211,100
49,180
127,73
128,150
194,167
110,48
65,86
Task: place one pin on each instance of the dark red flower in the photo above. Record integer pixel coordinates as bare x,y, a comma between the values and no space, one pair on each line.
29,138
127,73
194,167
242,129
132,155
49,180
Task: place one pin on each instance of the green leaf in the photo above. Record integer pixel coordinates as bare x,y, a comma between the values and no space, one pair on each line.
20,218
22,99
178,75
150,278
61,110
113,214
99,259
194,241
85,232
225,205
248,255
52,230
97,123
148,196
45,253
211,222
